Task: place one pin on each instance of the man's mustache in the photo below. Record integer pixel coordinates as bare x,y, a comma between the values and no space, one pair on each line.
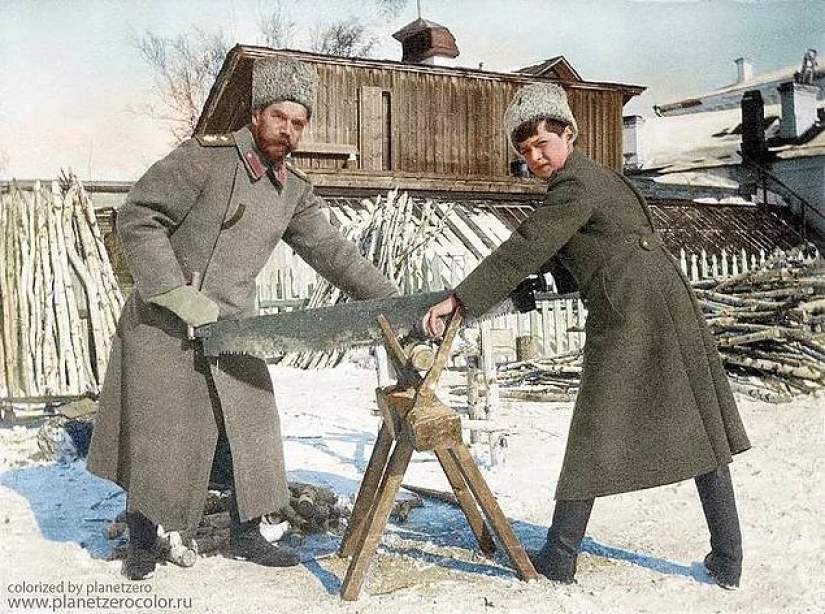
281,143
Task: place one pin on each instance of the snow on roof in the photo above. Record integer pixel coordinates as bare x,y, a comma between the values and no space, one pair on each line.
708,180
557,65
684,142
764,78
808,149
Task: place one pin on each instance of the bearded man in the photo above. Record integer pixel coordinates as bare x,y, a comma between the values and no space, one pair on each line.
211,212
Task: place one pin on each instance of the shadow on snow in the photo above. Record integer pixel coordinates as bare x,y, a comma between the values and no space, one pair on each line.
71,505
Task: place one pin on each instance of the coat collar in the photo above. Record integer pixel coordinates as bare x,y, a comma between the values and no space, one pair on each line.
254,161
575,159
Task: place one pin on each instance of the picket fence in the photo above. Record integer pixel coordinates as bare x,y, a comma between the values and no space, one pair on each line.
557,323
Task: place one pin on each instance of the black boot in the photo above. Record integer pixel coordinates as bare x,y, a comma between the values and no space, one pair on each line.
142,551
724,561
557,558
247,544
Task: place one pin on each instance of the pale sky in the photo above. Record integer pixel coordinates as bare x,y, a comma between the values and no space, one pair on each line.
71,79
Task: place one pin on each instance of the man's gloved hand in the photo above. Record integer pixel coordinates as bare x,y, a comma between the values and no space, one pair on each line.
524,295
189,304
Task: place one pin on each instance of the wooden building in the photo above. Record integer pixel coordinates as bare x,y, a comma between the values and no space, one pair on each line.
436,132
381,124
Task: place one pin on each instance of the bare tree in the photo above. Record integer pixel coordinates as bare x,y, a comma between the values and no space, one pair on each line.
391,8
352,37
346,38
185,68
277,30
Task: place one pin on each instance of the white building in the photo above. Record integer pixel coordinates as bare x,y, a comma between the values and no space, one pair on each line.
761,139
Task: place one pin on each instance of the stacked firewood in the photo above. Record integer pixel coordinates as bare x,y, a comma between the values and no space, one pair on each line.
60,299
392,233
545,379
311,509
769,325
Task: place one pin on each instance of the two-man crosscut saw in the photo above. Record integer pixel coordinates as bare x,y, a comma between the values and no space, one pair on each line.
344,325
322,328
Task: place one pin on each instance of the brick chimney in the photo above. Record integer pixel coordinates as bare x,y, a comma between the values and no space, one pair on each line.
798,109
426,42
753,126
744,70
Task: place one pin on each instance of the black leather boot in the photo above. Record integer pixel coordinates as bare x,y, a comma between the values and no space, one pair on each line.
142,551
724,561
247,544
557,558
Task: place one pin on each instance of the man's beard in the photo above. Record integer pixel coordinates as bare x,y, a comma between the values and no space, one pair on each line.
276,150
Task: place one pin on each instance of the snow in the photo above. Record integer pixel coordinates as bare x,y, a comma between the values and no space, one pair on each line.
642,553
687,142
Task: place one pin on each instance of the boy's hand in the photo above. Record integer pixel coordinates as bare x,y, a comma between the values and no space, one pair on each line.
433,324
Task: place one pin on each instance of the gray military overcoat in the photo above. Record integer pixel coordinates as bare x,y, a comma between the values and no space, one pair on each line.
654,406
211,207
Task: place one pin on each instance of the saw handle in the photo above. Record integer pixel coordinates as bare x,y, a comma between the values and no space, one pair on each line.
195,281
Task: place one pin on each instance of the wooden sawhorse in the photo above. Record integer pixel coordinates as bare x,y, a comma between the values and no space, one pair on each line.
414,419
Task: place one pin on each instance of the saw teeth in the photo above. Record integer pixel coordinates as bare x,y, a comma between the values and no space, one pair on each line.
354,324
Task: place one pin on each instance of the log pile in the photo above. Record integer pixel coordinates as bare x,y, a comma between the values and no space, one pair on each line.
392,233
60,300
769,326
554,379
312,509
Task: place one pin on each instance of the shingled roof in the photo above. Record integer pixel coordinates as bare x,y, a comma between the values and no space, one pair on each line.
693,226
482,223
557,67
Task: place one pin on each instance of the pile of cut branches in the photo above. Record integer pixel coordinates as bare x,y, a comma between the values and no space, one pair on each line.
546,379
59,299
769,326
392,233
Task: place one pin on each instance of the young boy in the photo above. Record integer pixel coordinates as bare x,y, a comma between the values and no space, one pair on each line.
654,406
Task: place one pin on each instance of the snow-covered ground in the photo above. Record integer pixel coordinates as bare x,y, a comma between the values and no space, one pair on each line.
642,553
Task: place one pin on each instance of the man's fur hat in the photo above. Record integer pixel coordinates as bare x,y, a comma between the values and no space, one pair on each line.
281,77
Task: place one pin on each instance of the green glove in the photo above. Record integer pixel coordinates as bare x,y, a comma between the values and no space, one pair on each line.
190,305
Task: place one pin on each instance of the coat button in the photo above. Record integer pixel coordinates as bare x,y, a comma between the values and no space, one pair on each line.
645,243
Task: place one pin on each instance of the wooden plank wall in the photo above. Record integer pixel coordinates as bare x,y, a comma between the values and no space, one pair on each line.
599,115
370,128
441,124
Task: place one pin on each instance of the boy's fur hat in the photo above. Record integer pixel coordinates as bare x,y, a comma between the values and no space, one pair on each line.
538,100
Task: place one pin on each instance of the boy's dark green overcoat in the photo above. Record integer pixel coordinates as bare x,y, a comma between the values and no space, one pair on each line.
654,405
209,202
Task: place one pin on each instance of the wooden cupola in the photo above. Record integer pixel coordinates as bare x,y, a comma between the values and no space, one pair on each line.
424,42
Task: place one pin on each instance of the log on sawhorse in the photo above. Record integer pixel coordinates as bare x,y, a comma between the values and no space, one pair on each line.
414,419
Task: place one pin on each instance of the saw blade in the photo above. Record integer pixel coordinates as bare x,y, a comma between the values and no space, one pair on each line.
339,326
